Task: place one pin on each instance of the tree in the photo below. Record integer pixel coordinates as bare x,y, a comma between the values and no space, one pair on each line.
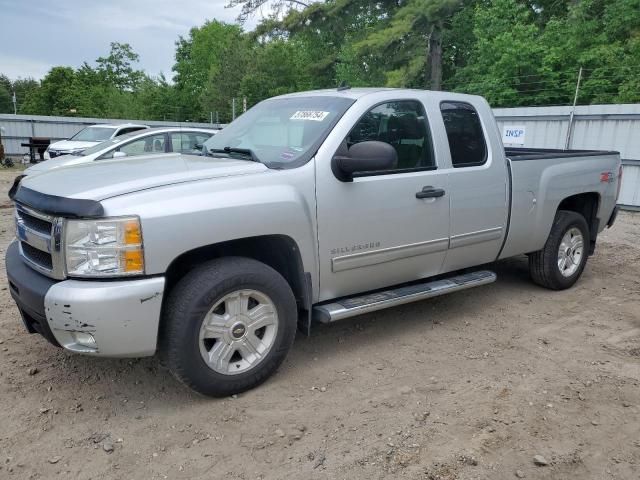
277,68
412,40
55,95
6,104
210,65
117,67
24,89
505,63
277,7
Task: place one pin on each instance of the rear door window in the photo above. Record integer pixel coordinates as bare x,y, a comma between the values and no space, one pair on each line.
464,133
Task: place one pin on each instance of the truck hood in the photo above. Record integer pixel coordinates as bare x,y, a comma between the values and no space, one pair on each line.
110,178
67,145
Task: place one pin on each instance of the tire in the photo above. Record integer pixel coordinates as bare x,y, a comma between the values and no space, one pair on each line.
545,267
231,354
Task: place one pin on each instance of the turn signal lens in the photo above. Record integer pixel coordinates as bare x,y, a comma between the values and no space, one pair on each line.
132,233
133,261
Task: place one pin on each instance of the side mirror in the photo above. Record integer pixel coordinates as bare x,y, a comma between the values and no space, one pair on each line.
369,156
119,155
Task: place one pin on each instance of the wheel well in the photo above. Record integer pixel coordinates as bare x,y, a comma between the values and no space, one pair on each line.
280,252
586,204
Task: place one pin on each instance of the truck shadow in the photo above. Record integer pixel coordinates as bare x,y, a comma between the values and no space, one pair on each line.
513,276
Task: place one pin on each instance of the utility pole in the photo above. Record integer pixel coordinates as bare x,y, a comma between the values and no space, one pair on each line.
211,113
244,104
567,143
13,99
233,108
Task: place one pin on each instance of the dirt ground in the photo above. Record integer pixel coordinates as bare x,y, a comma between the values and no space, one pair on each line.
467,386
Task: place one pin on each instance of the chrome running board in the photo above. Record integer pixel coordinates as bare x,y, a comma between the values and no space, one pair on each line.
352,306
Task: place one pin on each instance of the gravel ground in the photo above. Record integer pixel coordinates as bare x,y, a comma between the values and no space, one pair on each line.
472,385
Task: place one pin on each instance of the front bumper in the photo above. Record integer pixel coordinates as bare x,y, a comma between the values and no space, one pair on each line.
104,318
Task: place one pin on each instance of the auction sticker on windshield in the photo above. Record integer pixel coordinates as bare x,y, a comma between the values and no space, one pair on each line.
315,115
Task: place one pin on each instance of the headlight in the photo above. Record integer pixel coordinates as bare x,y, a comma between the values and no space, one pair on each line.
104,248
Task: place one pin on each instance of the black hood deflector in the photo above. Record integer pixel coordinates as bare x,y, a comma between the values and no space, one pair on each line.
54,205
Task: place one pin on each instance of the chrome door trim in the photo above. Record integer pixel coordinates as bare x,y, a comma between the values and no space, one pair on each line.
479,236
383,255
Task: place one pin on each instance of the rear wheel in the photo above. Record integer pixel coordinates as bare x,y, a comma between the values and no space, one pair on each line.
562,260
228,326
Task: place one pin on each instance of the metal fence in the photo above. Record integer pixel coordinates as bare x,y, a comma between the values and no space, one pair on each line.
17,129
598,127
595,127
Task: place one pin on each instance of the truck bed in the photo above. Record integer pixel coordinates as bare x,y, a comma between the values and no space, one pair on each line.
538,187
517,154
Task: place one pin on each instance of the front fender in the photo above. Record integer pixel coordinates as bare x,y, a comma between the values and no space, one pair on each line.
179,218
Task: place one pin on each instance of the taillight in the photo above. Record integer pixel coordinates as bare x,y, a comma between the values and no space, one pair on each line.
619,182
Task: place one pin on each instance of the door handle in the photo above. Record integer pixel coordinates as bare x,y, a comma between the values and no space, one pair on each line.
430,192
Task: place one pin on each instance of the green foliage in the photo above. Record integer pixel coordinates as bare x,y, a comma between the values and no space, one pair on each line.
210,64
116,68
6,105
55,95
278,67
514,52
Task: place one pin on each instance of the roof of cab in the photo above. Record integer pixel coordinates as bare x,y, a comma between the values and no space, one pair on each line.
357,93
116,125
353,93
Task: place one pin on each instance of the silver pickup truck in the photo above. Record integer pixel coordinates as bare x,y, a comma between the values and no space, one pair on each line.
315,206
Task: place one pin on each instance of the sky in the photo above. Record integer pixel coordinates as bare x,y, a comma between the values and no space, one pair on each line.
36,35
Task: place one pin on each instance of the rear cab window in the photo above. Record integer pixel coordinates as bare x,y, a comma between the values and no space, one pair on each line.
465,135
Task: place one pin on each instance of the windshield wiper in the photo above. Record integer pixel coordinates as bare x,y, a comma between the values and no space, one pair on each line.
243,151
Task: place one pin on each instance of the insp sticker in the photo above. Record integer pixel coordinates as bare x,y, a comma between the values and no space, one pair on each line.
314,115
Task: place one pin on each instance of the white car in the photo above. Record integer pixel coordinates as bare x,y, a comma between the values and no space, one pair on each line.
150,141
88,137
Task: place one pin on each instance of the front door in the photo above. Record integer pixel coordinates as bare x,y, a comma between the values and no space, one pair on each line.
375,231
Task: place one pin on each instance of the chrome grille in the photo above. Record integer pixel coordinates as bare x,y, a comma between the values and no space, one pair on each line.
35,223
40,236
36,256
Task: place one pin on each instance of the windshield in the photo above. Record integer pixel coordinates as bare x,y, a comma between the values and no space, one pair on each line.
281,132
101,146
93,134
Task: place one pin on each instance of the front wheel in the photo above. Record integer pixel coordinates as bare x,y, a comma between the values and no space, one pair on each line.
562,260
228,326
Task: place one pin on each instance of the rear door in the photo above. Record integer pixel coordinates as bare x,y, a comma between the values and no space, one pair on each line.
478,185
